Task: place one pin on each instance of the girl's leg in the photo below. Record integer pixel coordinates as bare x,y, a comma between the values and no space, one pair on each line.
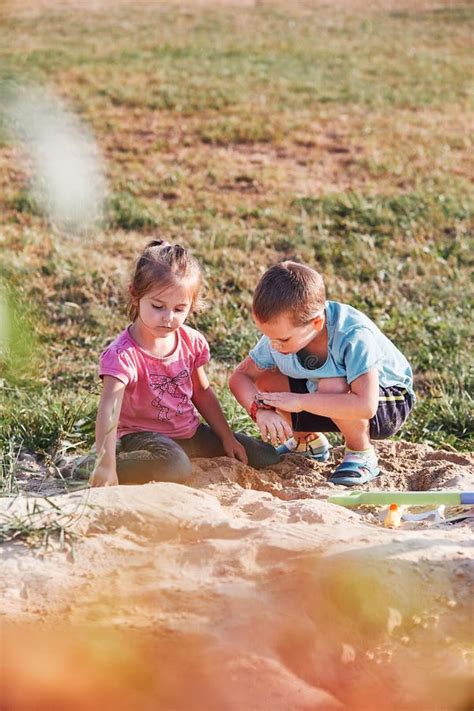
152,457
205,443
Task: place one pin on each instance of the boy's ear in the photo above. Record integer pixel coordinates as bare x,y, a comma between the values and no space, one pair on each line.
318,322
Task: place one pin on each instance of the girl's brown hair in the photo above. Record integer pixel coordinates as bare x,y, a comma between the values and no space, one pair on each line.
162,265
290,287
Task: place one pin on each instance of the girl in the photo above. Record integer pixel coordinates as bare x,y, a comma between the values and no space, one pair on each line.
153,379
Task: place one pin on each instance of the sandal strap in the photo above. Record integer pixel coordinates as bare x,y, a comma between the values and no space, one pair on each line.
354,466
354,473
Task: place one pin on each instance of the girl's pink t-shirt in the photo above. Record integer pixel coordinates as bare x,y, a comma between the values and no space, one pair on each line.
158,391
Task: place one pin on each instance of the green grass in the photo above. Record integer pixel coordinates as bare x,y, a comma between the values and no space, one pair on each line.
443,418
336,137
240,130
215,58
125,212
43,525
10,451
46,423
24,202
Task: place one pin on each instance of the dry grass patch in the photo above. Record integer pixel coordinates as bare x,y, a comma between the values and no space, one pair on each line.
335,133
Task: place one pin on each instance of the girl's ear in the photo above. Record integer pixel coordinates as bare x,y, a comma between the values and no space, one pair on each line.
131,291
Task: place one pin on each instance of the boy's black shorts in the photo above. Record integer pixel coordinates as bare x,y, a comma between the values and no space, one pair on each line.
395,404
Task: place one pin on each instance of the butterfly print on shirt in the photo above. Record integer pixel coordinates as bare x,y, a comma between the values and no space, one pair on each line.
164,384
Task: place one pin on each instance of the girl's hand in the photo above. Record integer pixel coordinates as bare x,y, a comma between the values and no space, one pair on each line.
289,402
102,476
234,449
273,427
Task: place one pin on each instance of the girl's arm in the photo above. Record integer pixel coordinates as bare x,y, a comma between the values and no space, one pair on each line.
208,405
105,472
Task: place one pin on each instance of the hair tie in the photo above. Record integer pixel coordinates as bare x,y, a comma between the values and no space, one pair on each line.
157,243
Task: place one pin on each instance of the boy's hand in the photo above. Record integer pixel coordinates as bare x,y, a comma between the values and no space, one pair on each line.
102,476
233,448
273,427
289,402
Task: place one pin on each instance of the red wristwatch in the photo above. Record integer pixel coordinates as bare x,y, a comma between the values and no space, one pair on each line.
258,405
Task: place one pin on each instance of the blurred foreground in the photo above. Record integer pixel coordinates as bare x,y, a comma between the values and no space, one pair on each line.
222,596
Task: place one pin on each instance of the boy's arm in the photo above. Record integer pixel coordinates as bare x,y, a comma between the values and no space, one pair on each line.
208,405
360,403
105,473
242,382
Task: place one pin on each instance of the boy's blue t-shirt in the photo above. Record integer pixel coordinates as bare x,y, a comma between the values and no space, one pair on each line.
355,346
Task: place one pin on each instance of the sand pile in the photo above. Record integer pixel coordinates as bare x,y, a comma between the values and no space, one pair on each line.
243,590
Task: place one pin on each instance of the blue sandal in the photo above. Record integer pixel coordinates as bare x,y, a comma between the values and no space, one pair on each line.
354,473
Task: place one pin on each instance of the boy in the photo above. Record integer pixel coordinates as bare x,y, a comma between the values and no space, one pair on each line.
321,366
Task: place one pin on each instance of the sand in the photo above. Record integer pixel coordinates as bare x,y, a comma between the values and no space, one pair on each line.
243,590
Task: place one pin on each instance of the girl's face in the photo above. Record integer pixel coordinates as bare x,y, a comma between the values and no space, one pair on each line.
163,311
287,338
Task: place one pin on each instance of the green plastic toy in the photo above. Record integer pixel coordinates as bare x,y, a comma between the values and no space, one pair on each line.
404,498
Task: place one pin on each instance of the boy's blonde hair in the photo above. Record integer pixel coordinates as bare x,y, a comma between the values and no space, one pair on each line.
162,265
292,287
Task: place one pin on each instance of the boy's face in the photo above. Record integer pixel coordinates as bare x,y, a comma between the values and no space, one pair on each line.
285,336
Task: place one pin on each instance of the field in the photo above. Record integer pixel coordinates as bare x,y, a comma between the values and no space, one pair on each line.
335,133
332,134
